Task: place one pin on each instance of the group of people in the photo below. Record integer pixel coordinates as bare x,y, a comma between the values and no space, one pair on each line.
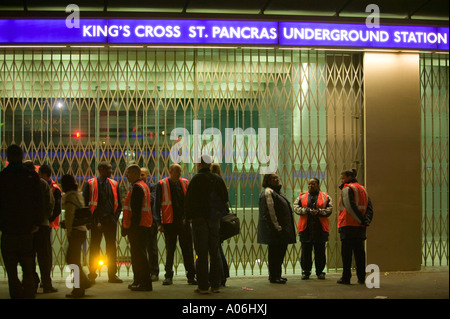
30,206
277,230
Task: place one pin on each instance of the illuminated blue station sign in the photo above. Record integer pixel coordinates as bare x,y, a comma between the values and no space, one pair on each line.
216,32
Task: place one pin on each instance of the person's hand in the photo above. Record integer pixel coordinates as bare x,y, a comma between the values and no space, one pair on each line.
34,229
161,228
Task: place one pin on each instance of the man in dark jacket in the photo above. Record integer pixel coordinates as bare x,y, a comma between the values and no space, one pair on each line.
205,223
152,243
21,213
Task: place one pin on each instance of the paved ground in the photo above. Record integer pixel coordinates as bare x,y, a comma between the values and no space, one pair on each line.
429,283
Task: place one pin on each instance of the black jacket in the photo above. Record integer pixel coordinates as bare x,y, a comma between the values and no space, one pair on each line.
197,200
277,229
21,202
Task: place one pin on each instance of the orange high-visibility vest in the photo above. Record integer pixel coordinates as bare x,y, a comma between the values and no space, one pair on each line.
146,212
93,193
55,224
361,200
321,203
166,201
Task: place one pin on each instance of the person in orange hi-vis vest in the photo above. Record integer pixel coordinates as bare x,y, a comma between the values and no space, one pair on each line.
355,215
102,195
136,223
314,208
45,172
171,220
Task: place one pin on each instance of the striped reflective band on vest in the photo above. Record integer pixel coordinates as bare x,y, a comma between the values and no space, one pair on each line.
93,193
146,212
166,201
321,203
55,224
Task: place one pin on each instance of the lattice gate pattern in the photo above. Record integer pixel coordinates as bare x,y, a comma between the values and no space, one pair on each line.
72,109
435,112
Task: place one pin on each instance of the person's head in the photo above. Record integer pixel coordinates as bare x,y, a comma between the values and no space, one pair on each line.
271,180
348,176
133,173
145,173
215,168
205,162
45,172
174,172
68,183
104,170
314,185
14,154
29,164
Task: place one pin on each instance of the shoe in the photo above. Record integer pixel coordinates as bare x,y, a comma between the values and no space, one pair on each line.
321,276
92,277
343,281
76,294
115,280
305,277
192,282
132,284
277,281
154,278
167,282
215,290
283,278
201,291
50,290
141,287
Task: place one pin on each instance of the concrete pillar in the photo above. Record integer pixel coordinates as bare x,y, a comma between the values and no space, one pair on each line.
393,159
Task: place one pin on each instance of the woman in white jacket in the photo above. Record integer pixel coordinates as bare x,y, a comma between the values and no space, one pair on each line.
76,235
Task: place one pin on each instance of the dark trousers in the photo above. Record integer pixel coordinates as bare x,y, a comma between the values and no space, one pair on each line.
73,257
206,243
306,260
224,269
152,250
276,253
139,260
42,249
109,230
182,232
18,249
353,247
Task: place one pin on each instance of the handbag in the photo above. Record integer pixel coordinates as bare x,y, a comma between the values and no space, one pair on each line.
83,216
229,226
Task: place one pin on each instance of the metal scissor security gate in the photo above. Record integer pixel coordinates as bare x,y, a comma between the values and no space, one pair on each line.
435,200
75,108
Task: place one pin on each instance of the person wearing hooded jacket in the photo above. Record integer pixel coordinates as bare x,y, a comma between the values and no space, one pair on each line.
355,215
275,225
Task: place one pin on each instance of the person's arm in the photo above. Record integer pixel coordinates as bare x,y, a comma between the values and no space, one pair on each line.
270,206
326,212
136,200
57,207
369,213
298,208
69,208
157,205
348,199
86,193
119,207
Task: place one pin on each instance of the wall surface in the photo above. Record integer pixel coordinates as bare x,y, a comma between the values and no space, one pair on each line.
393,159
